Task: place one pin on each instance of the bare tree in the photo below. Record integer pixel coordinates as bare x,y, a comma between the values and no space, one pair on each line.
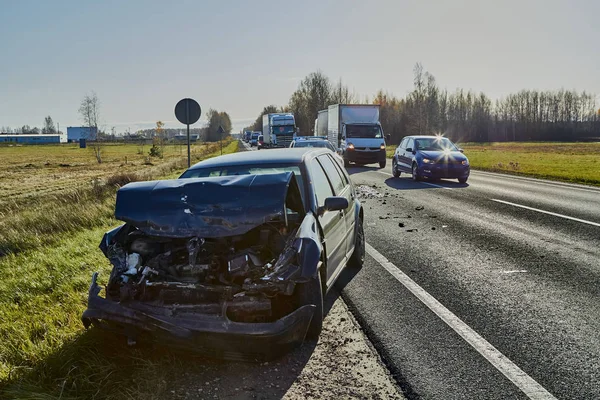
89,110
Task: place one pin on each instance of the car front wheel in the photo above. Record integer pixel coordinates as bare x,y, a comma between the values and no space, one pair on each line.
462,180
415,173
382,164
358,256
395,171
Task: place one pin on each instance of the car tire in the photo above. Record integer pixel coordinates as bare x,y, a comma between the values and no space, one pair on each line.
415,173
462,180
311,292
382,164
357,259
395,171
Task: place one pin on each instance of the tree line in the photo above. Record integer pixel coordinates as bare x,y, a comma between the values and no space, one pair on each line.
529,115
48,128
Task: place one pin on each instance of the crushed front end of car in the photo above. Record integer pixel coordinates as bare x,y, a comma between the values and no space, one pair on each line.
209,264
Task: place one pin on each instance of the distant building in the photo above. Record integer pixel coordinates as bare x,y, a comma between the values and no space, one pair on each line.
74,133
31,138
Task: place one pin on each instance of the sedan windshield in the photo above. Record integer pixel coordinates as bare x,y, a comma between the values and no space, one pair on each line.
227,170
364,131
435,144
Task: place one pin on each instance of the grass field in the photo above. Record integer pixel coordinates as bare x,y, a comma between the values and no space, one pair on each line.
52,219
570,162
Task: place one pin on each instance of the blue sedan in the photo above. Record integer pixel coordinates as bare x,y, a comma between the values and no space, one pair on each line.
432,157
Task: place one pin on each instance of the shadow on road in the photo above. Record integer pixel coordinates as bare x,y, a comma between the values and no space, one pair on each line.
356,170
408,184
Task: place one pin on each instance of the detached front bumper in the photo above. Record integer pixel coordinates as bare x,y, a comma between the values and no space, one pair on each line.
360,156
213,335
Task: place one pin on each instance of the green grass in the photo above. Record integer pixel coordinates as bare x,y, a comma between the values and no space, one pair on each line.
52,251
569,162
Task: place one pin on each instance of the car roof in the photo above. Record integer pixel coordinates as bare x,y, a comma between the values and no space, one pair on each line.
294,155
424,137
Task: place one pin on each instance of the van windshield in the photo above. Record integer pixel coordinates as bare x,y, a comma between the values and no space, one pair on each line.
364,131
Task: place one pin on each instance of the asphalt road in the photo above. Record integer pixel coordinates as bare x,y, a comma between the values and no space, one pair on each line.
516,260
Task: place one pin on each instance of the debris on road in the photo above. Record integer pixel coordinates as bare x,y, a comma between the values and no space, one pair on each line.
367,192
401,224
419,208
412,230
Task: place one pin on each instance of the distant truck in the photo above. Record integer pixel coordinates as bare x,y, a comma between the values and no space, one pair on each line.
321,123
279,129
247,136
356,130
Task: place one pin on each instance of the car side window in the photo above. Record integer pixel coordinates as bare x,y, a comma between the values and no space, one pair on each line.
342,173
411,144
403,143
320,183
332,173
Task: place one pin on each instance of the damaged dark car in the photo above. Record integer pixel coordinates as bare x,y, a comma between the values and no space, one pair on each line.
232,259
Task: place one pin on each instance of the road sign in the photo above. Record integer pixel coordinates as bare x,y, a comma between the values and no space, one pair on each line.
187,111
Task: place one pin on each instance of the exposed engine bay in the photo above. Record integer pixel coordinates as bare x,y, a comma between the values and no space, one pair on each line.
240,275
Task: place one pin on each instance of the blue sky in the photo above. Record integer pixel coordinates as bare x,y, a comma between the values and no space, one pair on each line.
141,57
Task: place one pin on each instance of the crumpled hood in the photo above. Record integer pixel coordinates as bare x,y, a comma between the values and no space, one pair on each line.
439,155
204,207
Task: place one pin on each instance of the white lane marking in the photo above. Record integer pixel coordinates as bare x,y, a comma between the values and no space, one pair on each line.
562,185
426,183
524,382
547,212
515,271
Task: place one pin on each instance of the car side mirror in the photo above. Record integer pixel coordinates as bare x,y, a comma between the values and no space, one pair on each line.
461,150
409,149
335,203
343,137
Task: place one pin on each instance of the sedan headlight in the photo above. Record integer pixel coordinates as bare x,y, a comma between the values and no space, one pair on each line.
428,161
350,146
465,162
382,147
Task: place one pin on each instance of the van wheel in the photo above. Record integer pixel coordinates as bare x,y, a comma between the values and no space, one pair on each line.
382,164
311,292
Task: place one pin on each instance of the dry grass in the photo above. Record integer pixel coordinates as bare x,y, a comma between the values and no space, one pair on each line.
51,246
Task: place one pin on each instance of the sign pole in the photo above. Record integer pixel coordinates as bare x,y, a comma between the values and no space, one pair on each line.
188,112
188,135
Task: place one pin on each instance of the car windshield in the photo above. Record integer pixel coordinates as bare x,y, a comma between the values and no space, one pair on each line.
314,143
255,136
284,129
434,144
364,131
228,170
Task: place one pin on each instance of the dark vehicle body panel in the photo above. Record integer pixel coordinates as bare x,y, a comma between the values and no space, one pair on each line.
186,207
